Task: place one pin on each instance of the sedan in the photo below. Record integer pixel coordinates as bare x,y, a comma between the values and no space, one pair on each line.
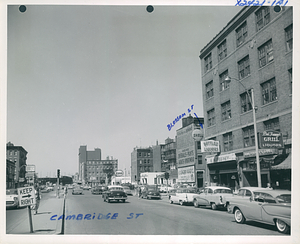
77,191
266,206
213,196
150,192
12,198
127,190
184,196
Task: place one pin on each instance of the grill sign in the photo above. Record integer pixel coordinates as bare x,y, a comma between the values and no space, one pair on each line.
26,196
270,139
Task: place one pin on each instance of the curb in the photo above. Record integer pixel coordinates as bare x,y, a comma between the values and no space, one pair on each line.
60,223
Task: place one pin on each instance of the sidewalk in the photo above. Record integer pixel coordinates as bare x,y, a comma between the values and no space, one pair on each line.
41,221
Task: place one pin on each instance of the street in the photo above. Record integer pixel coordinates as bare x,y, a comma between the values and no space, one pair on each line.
151,217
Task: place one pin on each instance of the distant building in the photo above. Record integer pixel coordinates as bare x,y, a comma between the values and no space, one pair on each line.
17,155
141,161
92,169
255,51
10,174
169,160
157,157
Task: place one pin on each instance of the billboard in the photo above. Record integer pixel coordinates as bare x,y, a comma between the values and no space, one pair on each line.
210,146
185,153
186,174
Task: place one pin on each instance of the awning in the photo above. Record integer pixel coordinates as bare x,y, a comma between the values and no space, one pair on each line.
286,164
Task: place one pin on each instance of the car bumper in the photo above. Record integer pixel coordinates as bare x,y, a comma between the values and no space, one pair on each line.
153,196
10,204
116,198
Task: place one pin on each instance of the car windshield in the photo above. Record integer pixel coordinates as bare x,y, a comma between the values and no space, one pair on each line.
126,188
222,191
190,190
284,198
11,192
116,188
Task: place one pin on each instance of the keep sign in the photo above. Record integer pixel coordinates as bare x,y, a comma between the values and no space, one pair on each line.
26,196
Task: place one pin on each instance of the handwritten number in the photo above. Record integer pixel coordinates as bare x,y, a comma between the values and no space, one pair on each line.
273,3
286,2
263,3
189,110
279,2
192,106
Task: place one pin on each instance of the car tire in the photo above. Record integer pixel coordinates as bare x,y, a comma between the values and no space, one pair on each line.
196,205
213,206
108,200
238,216
181,203
282,227
123,200
170,201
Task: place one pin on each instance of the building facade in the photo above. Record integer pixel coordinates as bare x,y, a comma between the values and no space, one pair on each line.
141,161
10,174
255,51
92,169
17,155
169,160
188,153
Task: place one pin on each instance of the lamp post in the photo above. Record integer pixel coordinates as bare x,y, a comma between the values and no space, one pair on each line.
251,98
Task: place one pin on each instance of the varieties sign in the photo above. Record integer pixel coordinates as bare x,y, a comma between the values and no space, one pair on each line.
270,139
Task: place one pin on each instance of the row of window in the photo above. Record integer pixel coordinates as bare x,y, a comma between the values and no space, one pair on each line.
248,135
268,93
10,153
265,51
100,162
146,168
145,161
144,154
101,167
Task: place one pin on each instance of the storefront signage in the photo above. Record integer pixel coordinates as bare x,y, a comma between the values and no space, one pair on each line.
221,158
186,174
30,168
210,146
261,152
270,139
185,146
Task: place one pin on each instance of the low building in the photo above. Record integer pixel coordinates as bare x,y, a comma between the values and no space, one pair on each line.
152,178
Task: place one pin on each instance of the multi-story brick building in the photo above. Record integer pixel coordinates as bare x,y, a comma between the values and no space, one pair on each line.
17,155
92,169
255,51
169,160
141,161
10,174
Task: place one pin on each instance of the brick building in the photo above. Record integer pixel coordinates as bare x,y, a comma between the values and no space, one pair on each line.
255,50
10,174
141,161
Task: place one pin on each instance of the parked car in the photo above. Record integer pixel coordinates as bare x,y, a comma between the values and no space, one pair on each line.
45,190
51,188
85,187
12,198
70,187
212,196
183,196
127,191
114,193
244,193
266,206
150,192
165,188
172,192
77,191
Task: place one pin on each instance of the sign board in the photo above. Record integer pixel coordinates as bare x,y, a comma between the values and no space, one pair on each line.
270,139
26,196
21,179
186,174
29,174
119,173
210,146
221,158
197,134
30,168
261,152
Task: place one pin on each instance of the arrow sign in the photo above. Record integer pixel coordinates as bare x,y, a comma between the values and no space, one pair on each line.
26,196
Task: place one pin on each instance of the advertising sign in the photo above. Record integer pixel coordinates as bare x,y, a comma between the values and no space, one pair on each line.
210,146
26,196
186,174
30,168
197,134
270,139
185,146
119,173
261,152
221,158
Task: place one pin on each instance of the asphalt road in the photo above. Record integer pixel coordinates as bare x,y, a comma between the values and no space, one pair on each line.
151,217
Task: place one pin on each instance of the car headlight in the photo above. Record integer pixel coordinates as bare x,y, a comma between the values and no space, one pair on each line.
15,199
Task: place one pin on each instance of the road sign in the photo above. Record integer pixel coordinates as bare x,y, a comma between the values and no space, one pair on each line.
26,196
29,174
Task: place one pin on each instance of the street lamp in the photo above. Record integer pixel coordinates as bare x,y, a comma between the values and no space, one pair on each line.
251,98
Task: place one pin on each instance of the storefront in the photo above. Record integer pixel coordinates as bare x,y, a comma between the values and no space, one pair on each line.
223,170
281,174
248,167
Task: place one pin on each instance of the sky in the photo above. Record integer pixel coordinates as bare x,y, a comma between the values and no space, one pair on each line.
108,77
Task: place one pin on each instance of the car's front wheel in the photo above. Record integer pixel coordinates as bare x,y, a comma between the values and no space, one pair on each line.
181,203
196,205
213,206
282,227
239,217
171,202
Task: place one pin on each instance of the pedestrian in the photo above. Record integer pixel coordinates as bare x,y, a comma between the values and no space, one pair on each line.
140,192
269,186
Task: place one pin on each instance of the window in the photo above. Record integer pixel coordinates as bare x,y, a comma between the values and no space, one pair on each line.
222,50
289,37
226,111
223,83
265,53
208,62
246,102
269,91
291,80
140,154
141,161
244,67
262,17
199,159
272,124
241,34
228,143
211,117
249,136
209,90
198,144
